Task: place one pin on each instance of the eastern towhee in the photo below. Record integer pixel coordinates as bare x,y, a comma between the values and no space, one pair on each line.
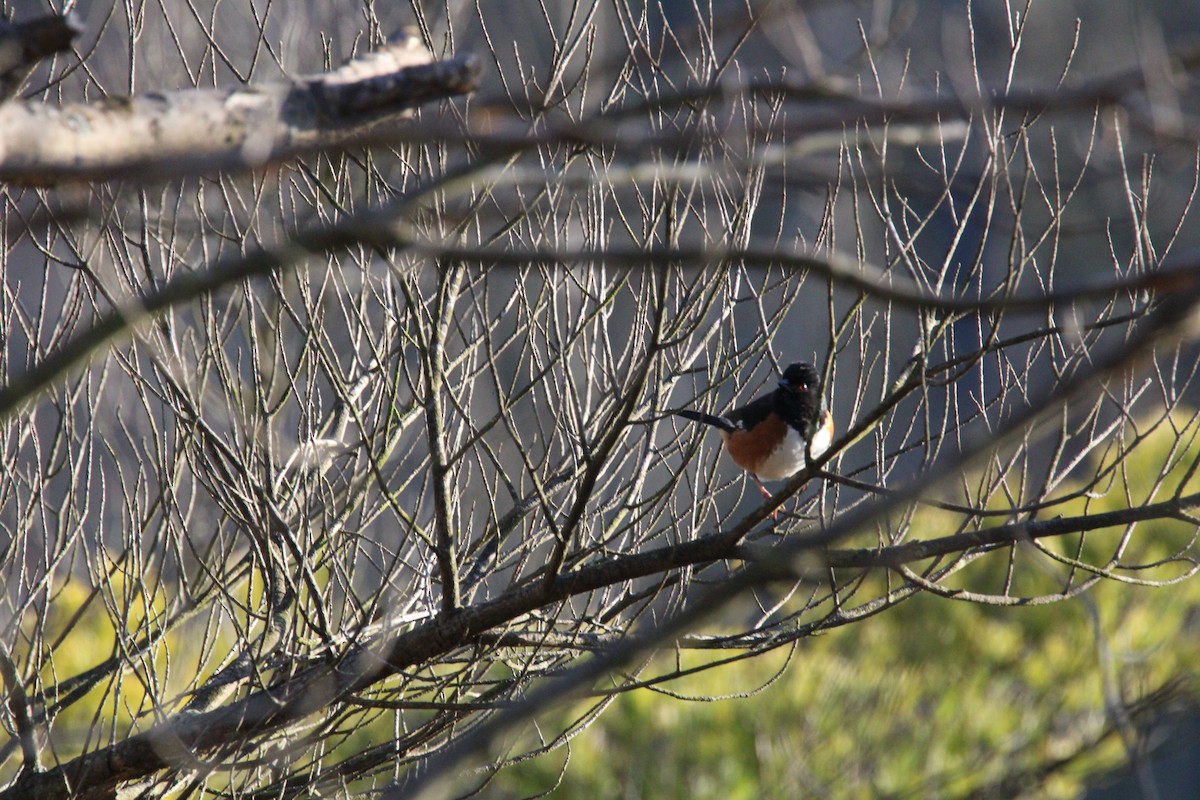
768,436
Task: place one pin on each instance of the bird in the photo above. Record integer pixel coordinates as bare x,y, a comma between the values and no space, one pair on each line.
770,436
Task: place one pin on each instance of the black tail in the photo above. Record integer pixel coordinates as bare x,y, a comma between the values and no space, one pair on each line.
707,419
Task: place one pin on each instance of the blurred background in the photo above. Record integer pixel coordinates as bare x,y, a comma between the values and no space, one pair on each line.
968,149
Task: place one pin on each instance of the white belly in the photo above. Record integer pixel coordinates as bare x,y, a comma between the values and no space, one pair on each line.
789,457
785,460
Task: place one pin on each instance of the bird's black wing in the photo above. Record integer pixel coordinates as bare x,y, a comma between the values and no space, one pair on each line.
752,413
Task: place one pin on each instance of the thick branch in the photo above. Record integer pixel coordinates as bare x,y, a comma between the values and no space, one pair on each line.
192,131
307,693
177,742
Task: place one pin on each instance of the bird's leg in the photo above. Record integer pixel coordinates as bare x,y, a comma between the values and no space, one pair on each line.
766,494
761,488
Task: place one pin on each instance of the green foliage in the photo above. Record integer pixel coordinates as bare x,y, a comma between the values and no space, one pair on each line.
83,629
935,697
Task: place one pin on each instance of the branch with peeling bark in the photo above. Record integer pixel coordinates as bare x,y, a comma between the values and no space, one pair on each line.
167,134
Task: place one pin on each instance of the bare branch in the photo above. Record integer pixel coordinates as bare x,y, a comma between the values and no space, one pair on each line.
205,131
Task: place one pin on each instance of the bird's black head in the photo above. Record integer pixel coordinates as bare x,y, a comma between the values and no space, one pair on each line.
799,377
798,398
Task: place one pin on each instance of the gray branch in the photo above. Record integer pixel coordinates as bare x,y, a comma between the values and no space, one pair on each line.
161,134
